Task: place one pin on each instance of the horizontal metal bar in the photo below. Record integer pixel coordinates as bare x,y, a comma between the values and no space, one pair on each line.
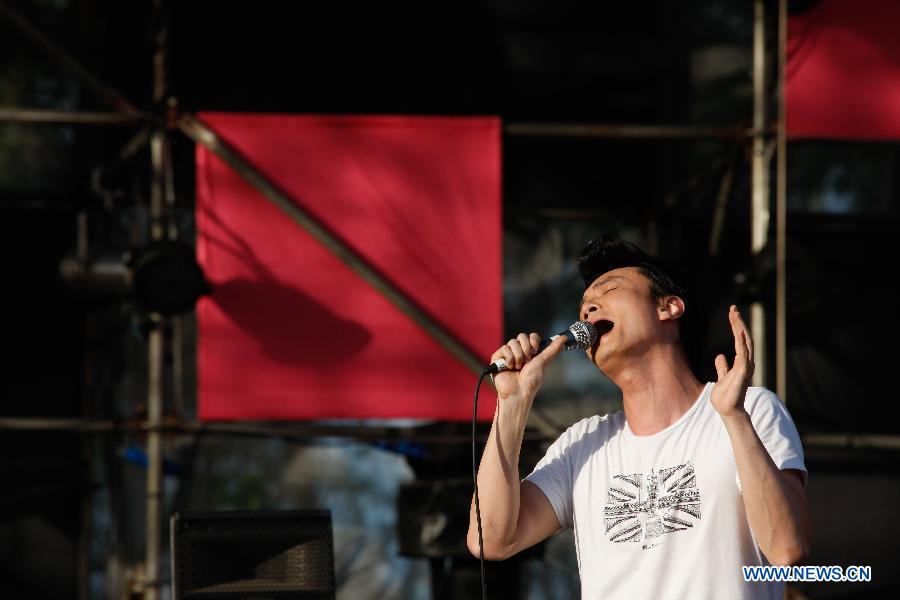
586,130
307,430
291,431
569,130
52,424
71,117
852,440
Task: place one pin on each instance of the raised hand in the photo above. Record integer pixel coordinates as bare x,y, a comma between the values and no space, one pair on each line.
526,371
731,388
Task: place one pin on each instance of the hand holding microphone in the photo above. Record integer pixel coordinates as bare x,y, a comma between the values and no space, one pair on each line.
523,355
579,336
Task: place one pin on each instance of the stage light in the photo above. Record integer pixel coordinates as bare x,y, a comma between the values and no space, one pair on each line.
161,277
166,278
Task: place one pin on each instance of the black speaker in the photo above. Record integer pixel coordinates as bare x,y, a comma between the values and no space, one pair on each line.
253,555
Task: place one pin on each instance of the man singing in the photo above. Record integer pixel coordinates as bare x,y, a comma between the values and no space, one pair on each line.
671,496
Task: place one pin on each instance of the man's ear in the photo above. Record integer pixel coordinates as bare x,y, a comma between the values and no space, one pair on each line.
670,308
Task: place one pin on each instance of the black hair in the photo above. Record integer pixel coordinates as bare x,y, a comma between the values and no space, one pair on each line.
606,253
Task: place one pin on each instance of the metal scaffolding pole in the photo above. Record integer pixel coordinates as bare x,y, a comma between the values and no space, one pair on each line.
161,199
760,184
151,580
69,117
781,213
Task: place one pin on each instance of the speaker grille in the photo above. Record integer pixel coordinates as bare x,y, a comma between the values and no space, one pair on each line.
248,554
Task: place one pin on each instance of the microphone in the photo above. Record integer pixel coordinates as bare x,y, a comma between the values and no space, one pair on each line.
580,336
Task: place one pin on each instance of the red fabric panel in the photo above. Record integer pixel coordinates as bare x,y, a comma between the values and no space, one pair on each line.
843,71
289,331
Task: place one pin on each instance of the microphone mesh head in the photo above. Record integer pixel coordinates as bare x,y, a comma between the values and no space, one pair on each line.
585,335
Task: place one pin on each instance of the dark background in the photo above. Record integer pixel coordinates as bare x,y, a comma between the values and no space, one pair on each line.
685,63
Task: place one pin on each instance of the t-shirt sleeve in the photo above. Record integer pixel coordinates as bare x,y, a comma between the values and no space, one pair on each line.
776,429
553,476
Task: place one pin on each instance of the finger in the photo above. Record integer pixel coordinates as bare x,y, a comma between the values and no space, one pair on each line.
721,366
746,338
550,352
734,318
505,354
748,341
748,347
535,340
525,343
500,353
751,366
518,354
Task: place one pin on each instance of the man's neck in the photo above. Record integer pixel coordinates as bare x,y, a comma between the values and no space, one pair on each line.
657,389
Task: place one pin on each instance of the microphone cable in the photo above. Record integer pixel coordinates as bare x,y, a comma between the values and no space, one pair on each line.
582,334
484,373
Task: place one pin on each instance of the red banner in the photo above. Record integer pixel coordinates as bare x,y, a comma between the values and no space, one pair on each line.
843,71
289,331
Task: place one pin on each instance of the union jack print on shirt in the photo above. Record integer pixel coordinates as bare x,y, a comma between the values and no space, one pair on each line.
641,508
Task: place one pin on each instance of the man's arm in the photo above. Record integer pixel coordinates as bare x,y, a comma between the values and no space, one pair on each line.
775,500
514,514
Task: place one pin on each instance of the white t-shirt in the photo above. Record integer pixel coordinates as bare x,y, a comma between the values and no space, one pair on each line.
662,516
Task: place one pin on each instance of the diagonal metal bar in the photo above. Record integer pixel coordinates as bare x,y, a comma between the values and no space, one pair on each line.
202,134
106,93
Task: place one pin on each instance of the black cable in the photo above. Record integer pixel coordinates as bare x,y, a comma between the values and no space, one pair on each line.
475,481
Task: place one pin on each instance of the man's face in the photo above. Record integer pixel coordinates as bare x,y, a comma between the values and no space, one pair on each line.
620,305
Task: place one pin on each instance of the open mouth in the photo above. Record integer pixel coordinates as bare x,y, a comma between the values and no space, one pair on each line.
603,327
